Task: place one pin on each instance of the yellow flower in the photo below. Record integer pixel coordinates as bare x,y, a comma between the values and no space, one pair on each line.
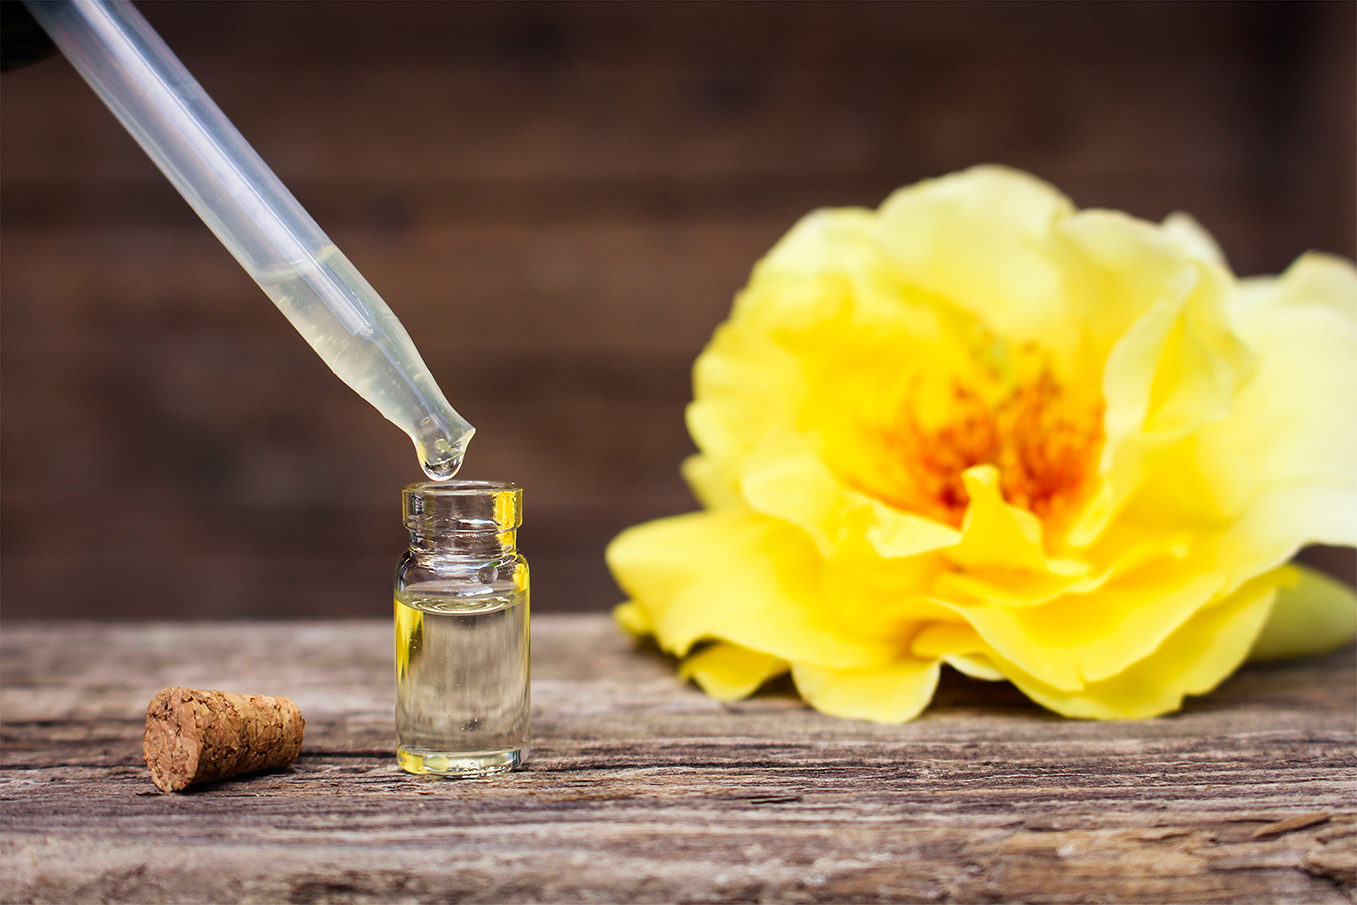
979,427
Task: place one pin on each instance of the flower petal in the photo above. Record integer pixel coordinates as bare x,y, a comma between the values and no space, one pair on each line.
1177,368
894,693
634,618
1284,465
739,577
1193,660
997,536
744,387
832,241
1079,639
959,646
1190,236
897,535
729,672
713,486
1118,268
980,239
785,479
1313,615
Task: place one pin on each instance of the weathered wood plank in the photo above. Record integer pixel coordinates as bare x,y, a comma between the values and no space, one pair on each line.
642,789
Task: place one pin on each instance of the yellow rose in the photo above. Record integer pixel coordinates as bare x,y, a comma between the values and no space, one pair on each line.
979,427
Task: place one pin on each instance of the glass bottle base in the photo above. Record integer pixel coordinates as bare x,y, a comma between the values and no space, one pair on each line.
425,762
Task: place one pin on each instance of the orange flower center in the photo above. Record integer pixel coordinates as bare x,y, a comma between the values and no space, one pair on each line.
1044,444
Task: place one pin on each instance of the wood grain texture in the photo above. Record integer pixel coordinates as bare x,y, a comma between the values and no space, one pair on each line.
642,789
559,201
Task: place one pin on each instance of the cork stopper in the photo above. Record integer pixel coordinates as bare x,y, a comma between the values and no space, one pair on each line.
195,736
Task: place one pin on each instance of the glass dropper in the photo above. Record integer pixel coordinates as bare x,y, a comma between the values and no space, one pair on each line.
254,215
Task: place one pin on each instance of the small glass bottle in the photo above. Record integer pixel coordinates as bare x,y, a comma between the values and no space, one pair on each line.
462,704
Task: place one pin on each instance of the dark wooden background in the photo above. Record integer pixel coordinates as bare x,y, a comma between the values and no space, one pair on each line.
559,201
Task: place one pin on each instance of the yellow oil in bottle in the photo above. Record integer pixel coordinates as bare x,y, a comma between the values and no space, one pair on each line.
461,680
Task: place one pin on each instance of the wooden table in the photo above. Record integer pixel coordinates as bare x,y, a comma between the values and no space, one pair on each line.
642,789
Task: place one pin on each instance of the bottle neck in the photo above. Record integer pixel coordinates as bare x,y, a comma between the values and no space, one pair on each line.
480,545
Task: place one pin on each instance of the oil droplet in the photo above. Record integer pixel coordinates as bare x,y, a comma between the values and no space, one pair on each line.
443,469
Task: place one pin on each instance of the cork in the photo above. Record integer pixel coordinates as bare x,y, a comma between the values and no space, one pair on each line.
194,736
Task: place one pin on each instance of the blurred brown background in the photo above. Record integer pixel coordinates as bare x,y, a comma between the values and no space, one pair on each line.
559,201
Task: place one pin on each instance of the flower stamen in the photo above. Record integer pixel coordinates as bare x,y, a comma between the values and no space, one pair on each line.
1044,445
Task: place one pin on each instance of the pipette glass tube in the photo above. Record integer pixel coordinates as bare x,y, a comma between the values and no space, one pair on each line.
257,219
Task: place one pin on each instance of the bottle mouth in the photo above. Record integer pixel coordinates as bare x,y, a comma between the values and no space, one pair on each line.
463,506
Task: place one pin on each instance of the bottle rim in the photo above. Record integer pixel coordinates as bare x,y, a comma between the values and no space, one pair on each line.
462,488
451,506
